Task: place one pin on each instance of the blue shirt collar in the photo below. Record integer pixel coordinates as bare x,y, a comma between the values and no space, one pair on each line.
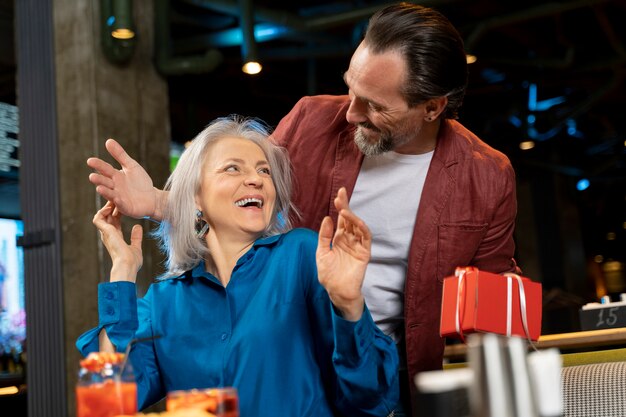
199,271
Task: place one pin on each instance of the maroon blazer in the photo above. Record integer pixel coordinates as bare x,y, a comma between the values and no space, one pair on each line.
466,214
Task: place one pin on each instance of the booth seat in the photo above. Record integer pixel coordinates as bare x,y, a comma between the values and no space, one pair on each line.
594,383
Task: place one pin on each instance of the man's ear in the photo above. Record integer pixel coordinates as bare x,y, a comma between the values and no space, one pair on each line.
434,107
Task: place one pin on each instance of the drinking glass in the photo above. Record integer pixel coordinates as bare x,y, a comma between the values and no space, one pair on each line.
222,402
106,386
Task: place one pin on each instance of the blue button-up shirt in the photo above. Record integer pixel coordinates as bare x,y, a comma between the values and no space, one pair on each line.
271,332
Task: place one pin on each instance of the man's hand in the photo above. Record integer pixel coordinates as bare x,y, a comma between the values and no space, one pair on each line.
129,188
341,268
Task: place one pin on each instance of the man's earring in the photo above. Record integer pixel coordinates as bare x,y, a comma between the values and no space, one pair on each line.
201,226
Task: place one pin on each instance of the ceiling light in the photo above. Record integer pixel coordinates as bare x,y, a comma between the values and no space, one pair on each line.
117,34
582,185
122,19
9,390
252,67
526,145
123,33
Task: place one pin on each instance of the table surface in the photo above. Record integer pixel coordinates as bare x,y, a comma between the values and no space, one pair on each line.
563,341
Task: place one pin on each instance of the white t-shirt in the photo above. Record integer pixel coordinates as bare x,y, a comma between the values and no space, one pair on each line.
386,196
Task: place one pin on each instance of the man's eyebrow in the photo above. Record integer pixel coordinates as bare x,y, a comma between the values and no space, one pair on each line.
370,101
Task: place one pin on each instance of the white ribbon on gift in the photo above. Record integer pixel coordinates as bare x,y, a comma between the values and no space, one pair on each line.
460,273
522,305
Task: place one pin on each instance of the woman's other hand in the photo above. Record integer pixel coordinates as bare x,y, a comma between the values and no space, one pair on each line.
129,188
341,267
126,258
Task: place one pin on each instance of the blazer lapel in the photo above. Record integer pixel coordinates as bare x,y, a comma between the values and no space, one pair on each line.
438,187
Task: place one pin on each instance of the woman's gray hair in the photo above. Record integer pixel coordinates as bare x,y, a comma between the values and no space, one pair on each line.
177,231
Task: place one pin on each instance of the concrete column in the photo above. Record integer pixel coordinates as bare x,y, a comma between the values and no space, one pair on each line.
97,100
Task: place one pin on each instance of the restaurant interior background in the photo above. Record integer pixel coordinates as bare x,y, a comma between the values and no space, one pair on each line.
547,89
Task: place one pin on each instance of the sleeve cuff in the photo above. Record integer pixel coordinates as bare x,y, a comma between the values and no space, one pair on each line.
352,338
116,301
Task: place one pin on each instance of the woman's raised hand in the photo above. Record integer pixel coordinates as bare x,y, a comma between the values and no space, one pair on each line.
341,267
126,258
129,188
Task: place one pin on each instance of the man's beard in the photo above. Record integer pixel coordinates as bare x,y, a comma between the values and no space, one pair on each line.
385,143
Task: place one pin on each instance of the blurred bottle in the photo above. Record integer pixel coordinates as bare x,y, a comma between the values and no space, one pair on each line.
490,394
444,393
503,384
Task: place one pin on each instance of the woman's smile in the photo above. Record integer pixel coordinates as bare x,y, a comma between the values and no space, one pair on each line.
237,193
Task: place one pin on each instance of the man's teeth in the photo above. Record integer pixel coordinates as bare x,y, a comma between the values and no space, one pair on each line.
256,201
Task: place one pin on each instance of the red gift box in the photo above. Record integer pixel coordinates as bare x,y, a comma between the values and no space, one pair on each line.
477,301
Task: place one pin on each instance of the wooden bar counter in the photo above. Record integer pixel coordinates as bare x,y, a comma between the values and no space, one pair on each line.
563,341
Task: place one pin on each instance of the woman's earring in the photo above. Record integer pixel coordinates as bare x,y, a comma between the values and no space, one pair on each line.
201,226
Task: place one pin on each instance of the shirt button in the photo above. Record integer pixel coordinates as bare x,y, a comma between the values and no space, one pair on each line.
110,310
108,295
224,336
361,342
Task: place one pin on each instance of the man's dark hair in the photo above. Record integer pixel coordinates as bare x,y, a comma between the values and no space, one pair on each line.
432,48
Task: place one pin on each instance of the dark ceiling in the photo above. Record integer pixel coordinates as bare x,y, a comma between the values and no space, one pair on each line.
552,72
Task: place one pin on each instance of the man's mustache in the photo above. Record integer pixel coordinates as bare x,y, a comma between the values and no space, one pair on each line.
368,126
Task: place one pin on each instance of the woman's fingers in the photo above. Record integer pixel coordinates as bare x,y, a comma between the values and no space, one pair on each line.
107,216
341,201
355,231
105,211
349,225
325,236
355,223
136,236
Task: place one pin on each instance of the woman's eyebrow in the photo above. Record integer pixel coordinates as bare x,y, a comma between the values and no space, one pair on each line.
241,161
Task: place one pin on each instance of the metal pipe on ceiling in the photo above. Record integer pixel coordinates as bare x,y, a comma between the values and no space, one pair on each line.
249,53
165,62
231,7
543,10
294,21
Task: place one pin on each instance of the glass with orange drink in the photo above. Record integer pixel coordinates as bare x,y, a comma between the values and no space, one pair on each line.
222,402
106,386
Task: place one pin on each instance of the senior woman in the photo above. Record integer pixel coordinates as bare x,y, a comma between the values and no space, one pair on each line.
245,301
